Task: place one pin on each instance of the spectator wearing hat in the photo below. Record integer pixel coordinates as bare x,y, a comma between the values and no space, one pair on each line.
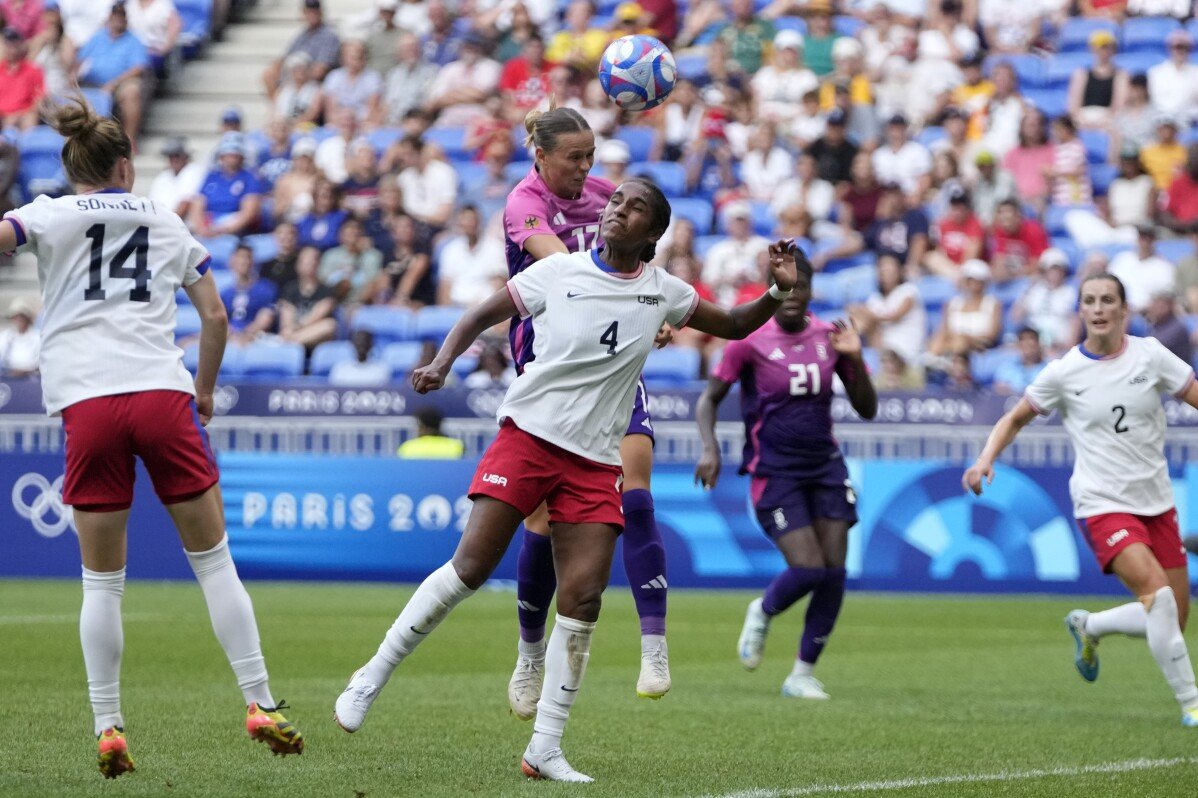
1178,212
176,186
972,320
353,85
299,98
1016,242
1135,122
1049,305
318,40
22,84
1143,272
821,35
230,198
473,265
611,159
959,235
779,86
524,81
1013,377
20,342
1165,326
579,43
1173,83
115,62
901,160
629,19
459,91
833,152
157,24
989,186
408,84
294,190
1165,154
1098,93
23,16
733,261
848,72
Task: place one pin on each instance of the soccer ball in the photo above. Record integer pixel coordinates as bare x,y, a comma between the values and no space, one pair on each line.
637,72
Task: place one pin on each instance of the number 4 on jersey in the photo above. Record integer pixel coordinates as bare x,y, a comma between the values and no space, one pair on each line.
138,247
608,338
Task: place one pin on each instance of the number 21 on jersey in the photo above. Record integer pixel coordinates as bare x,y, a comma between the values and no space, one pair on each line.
805,379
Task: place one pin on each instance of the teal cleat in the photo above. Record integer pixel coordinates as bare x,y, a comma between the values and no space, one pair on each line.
1086,657
1189,718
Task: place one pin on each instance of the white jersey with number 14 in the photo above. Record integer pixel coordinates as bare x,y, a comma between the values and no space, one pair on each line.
109,265
1111,408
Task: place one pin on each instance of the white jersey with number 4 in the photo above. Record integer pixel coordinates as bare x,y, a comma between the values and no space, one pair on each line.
593,330
109,265
1111,408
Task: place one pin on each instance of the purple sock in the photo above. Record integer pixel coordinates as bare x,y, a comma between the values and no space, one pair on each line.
535,583
821,615
790,586
645,561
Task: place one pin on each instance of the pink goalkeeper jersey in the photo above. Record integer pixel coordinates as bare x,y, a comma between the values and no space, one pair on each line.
532,209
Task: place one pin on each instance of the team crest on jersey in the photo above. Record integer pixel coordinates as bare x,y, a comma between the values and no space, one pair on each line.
821,351
531,222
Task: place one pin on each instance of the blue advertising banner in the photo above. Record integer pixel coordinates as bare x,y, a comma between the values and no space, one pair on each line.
394,520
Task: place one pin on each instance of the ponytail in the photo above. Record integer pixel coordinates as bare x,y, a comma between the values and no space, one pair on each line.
94,143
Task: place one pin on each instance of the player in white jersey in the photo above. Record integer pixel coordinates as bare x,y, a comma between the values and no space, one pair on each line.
109,264
1107,390
595,314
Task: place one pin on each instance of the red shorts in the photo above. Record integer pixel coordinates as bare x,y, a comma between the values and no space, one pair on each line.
1111,533
104,434
523,470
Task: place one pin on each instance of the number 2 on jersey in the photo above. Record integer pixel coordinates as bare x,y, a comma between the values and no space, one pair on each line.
805,379
608,338
137,247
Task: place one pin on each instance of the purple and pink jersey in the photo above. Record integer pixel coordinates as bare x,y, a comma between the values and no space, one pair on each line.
786,399
532,210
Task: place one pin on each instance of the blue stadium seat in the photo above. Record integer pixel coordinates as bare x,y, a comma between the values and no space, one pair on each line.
930,135
187,321
1175,249
273,360
1059,69
220,248
321,134
452,140
848,26
40,170
384,137
1071,250
1051,102
1028,68
223,279
385,323
857,283
1076,32
1101,176
196,16
673,364
840,264
1192,29
1139,63
1097,143
698,212
1054,218
692,67
264,245
763,218
826,290
402,357
329,354
181,298
670,177
517,170
434,323
469,172
639,140
100,101
1148,33
986,364
935,291
1011,290
791,23
704,243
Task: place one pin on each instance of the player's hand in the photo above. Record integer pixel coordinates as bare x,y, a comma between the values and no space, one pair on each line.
972,479
664,336
782,263
429,378
707,472
204,405
845,339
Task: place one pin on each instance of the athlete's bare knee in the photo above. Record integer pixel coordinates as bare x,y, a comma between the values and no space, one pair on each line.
473,571
581,603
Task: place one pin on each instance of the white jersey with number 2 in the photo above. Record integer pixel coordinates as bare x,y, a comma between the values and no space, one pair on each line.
1111,408
109,264
593,328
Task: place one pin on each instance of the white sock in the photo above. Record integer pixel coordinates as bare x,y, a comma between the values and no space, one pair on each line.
1126,619
651,642
103,640
232,615
535,651
1169,647
565,663
802,668
433,600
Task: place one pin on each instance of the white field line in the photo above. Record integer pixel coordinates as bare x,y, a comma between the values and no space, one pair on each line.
1126,766
24,620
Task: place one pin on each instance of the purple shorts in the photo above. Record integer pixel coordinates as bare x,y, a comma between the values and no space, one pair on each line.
784,504
641,423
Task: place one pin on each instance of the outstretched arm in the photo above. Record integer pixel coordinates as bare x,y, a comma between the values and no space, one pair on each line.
707,471
1001,437
498,307
743,319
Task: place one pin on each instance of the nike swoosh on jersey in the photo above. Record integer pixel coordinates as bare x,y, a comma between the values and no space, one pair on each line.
572,296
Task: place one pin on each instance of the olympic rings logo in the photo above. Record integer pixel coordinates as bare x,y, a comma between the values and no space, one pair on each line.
45,510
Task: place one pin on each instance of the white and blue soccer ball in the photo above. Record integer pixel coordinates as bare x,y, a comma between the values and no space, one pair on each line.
637,72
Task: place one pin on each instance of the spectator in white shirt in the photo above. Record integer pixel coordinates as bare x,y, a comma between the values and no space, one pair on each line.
1173,84
894,317
82,19
460,89
174,187
806,189
299,98
1049,305
21,343
780,85
1010,27
361,372
611,161
902,161
472,266
331,153
157,25
766,165
429,185
1143,272
353,85
733,261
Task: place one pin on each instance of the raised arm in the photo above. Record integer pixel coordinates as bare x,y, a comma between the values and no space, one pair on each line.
707,471
1001,437
498,307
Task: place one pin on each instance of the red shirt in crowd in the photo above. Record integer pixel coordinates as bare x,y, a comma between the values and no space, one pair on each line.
524,87
954,236
1181,200
21,86
1020,248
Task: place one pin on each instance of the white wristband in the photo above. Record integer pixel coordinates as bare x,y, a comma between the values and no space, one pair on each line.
779,294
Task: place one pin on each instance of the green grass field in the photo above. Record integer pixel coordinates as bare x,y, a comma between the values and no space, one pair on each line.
950,690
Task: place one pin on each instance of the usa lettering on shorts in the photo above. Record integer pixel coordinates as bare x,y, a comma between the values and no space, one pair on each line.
1115,538
495,479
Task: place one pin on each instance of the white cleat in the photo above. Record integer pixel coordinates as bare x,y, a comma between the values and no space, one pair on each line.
655,668
524,689
354,702
751,646
1189,717
807,687
551,766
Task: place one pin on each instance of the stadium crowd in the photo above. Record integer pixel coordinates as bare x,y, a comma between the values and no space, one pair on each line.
953,167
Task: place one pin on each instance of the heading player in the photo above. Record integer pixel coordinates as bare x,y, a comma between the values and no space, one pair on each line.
1107,390
800,485
595,314
109,264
